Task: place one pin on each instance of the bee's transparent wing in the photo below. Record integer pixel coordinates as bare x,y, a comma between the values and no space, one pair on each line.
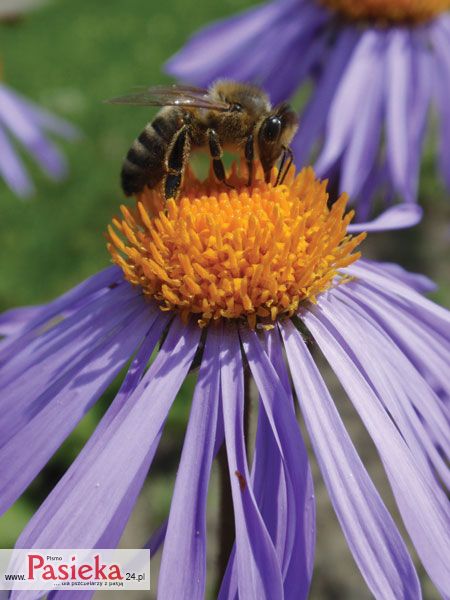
172,95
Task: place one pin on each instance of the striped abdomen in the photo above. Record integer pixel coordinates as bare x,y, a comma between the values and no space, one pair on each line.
144,163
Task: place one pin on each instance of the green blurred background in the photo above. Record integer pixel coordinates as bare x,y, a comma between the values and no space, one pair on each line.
68,57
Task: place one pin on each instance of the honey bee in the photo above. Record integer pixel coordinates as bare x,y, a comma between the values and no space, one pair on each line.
228,116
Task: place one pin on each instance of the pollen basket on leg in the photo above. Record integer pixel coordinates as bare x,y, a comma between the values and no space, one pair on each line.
388,11
255,253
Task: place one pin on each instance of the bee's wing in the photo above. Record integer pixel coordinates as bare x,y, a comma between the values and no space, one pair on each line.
172,95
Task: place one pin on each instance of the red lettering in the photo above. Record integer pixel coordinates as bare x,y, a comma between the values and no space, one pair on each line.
34,562
99,570
63,572
85,572
114,572
48,573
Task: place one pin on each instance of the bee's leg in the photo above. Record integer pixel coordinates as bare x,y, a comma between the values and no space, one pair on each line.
280,168
288,152
215,149
177,158
249,153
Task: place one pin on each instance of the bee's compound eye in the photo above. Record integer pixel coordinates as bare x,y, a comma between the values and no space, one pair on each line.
271,129
236,107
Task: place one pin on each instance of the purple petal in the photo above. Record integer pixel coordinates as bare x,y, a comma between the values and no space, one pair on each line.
44,119
29,134
12,168
399,216
363,146
83,509
441,44
420,94
398,105
368,527
424,511
156,540
13,321
397,290
187,552
384,366
258,571
279,408
417,281
427,351
104,281
218,50
49,418
347,100
312,121
61,344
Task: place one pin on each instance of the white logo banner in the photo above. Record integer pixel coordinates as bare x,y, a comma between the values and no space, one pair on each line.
88,569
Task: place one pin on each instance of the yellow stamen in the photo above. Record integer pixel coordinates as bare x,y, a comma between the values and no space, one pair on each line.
247,253
385,12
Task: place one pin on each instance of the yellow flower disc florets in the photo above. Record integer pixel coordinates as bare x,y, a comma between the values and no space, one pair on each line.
389,11
246,253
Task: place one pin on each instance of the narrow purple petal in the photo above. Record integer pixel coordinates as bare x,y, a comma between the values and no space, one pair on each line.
398,105
424,511
400,216
375,183
371,533
87,456
29,134
420,283
363,146
12,168
384,367
52,416
85,513
269,484
104,281
218,50
156,540
183,565
258,571
347,100
313,119
13,321
421,95
441,44
418,343
280,412
45,119
399,291
59,345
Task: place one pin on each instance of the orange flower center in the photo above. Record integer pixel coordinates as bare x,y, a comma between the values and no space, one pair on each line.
389,11
253,253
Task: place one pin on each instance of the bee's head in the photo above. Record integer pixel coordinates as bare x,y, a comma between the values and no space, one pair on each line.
275,133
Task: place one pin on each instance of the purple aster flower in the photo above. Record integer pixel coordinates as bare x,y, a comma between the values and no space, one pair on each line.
376,67
27,124
241,282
